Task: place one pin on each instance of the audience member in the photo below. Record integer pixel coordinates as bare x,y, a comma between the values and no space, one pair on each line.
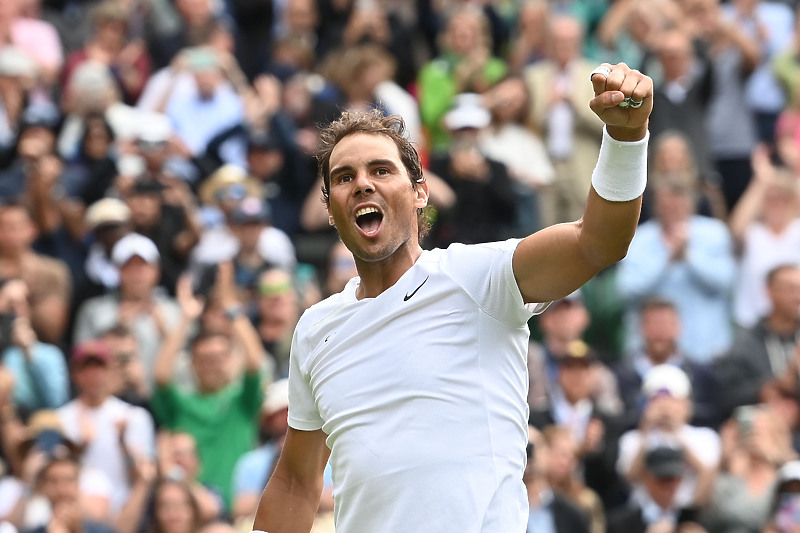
688,259
768,350
660,326
112,434
569,128
665,423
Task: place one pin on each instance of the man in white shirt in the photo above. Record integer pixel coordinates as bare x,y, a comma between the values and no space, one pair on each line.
413,378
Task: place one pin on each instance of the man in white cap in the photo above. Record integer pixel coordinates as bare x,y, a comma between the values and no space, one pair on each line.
665,422
148,311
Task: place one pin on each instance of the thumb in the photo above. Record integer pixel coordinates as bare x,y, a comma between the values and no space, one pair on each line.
606,100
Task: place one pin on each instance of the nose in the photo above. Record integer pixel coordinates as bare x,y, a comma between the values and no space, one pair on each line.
363,183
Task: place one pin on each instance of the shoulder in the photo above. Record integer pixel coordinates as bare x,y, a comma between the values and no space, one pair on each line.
710,226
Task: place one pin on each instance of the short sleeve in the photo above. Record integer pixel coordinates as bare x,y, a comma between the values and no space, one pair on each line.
303,412
485,272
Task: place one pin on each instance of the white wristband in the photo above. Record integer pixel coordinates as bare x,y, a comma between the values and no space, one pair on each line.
621,171
258,531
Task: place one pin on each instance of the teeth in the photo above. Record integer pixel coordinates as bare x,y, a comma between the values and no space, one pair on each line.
366,211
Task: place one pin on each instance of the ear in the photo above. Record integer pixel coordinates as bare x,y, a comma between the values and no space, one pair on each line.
422,195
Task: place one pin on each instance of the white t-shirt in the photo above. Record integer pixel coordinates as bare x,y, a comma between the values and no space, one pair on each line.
763,251
421,392
104,451
704,443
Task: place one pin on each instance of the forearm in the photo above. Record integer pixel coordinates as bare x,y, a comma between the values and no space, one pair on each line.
165,362
287,507
247,335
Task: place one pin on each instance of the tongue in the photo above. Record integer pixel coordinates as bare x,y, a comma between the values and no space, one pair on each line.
370,223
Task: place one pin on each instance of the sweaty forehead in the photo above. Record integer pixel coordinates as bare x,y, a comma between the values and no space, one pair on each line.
360,148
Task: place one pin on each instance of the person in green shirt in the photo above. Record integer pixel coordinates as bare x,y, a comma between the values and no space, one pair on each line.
222,414
464,66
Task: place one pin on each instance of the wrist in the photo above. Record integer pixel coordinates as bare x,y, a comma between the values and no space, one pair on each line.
623,134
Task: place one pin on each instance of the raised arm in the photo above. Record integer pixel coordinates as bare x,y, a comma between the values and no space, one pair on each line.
191,307
557,260
292,496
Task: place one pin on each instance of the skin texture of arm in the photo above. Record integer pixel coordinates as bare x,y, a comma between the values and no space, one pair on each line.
291,498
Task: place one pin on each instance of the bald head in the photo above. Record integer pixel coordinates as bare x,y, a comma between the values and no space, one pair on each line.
566,39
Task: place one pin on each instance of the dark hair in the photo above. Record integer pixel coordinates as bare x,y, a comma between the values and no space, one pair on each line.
197,520
118,330
656,303
372,122
207,334
57,459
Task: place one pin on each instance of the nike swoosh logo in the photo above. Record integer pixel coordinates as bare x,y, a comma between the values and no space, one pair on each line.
409,296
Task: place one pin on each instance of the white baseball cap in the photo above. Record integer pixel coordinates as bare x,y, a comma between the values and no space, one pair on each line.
666,379
133,245
107,211
277,397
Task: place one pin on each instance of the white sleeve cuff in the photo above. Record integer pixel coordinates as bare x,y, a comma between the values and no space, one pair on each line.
621,171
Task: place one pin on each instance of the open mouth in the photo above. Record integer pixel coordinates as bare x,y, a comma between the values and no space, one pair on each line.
369,220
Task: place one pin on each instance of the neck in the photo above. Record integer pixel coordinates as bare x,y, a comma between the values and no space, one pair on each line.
93,400
781,324
378,276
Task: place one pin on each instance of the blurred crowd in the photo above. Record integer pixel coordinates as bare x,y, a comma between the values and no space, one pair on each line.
162,230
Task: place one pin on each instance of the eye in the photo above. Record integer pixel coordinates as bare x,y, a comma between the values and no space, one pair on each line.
343,178
382,171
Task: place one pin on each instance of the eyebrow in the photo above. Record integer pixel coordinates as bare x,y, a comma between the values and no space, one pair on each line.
370,164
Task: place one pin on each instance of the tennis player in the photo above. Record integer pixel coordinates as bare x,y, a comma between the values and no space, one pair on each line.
413,378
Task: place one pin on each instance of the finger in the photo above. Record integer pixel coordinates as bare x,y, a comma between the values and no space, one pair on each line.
643,89
598,78
628,86
617,77
606,100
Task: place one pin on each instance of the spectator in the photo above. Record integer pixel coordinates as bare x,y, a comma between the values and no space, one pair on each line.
485,205
594,431
571,131
341,268
58,482
107,221
175,509
687,258
178,461
660,326
41,379
657,507
220,106
165,215
766,226
529,44
278,310
129,381
465,65
127,60
91,174
221,414
112,434
565,322
508,141
548,510
665,422
37,38
48,279
767,351
680,100
563,475
785,501
758,442
137,304
18,75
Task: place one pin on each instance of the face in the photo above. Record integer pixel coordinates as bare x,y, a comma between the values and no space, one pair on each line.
565,40
562,457
93,379
207,82
17,230
672,206
277,300
566,322
137,277
662,490
145,209
784,293
248,235
184,452
264,163
673,155
511,97
464,34
211,361
60,483
173,509
97,140
675,55
301,15
372,200
576,379
660,331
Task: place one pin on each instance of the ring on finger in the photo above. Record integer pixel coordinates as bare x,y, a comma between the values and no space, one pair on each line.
625,103
605,71
636,104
